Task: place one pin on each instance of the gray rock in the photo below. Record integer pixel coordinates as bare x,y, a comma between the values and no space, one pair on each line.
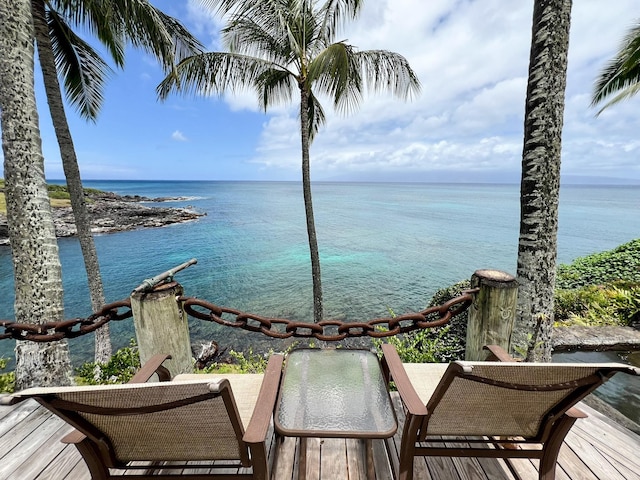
112,213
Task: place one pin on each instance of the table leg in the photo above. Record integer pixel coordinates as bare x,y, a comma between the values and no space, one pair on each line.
302,459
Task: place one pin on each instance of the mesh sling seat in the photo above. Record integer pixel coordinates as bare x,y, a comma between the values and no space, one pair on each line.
503,409
168,429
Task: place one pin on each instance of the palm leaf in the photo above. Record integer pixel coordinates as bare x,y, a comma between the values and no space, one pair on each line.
116,22
213,73
82,70
388,71
335,13
622,73
97,16
275,86
336,73
315,115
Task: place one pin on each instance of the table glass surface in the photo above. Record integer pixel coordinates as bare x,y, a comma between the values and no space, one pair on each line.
338,392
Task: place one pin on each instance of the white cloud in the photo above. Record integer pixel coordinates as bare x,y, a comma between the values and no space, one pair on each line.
472,60
178,136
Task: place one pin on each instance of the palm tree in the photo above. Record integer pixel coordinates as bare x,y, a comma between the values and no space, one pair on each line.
36,263
279,47
622,73
539,194
62,52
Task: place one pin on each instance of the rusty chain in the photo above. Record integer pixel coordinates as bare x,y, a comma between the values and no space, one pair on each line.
52,331
327,330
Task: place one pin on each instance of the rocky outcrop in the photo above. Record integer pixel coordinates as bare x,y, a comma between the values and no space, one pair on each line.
595,338
112,213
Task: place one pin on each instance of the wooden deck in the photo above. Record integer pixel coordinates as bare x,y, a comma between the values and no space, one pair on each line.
596,448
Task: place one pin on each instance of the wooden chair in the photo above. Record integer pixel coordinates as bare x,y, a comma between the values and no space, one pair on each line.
193,422
501,410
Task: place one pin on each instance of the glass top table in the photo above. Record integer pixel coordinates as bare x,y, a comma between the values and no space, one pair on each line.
336,393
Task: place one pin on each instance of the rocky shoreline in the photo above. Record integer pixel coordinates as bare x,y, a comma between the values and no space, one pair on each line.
111,213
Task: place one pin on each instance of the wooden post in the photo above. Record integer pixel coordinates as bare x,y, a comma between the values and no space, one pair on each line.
161,326
492,314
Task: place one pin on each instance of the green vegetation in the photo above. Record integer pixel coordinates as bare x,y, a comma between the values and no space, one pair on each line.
621,263
119,369
58,194
8,379
600,289
126,362
255,363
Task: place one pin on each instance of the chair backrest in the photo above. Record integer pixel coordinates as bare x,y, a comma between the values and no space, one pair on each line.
511,399
168,421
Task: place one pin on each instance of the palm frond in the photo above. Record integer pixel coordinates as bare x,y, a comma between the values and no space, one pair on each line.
336,73
82,70
316,116
335,13
275,86
99,18
213,73
385,71
159,34
245,36
622,73
138,22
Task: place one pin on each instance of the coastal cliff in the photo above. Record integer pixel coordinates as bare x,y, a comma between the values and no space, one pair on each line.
112,213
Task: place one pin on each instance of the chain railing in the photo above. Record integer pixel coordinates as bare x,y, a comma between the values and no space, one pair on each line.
327,330
53,331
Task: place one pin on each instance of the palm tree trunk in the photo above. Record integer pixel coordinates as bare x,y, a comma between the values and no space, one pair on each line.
36,263
539,195
72,175
308,206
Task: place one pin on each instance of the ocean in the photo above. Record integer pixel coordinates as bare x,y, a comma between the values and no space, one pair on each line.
383,247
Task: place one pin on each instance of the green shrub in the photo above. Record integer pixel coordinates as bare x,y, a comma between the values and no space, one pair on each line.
58,192
255,363
119,369
621,263
615,303
8,379
600,289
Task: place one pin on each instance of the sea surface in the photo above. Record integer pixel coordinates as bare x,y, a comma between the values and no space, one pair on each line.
383,247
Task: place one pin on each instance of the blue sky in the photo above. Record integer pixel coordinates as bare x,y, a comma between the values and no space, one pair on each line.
471,58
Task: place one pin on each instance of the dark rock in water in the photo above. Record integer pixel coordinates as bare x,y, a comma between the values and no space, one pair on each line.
112,213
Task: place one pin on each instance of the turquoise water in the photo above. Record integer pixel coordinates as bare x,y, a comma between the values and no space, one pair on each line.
382,246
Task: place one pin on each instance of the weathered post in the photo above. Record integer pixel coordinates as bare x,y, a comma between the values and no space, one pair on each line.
492,313
161,326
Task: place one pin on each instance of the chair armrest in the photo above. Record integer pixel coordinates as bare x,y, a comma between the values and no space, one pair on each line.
393,370
73,437
575,412
258,427
7,399
498,354
153,365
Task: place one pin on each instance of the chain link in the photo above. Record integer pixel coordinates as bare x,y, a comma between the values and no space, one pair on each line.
326,330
